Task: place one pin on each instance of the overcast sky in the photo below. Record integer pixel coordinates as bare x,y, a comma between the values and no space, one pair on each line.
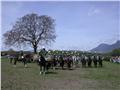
79,25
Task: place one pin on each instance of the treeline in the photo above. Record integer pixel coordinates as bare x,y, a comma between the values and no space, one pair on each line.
13,52
115,52
51,52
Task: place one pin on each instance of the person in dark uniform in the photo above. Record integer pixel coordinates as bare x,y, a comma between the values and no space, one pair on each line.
21,56
21,53
100,61
25,59
89,61
42,63
11,58
61,62
54,62
95,61
69,62
15,59
43,52
83,61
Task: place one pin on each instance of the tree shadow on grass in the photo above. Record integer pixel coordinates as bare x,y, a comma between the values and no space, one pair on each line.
51,72
71,69
64,68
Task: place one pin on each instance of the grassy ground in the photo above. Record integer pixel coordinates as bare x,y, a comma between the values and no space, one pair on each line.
20,78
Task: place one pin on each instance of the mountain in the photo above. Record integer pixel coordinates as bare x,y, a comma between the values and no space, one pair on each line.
104,48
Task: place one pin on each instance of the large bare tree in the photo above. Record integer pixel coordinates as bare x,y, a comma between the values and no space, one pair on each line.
31,29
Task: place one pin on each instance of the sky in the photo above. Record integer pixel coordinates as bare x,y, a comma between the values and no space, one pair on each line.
79,25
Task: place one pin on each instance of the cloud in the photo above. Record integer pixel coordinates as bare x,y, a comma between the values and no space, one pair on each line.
93,11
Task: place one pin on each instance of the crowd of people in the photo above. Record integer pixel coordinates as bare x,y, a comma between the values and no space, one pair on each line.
115,59
47,61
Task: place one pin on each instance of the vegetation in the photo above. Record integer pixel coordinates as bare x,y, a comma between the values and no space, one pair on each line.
20,78
115,52
32,30
53,52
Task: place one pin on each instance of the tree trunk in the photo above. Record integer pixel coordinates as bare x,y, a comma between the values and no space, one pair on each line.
35,49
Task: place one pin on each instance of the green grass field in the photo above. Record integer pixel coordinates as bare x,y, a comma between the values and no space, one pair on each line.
20,78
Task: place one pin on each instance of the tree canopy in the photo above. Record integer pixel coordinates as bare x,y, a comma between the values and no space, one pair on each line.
32,30
115,52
